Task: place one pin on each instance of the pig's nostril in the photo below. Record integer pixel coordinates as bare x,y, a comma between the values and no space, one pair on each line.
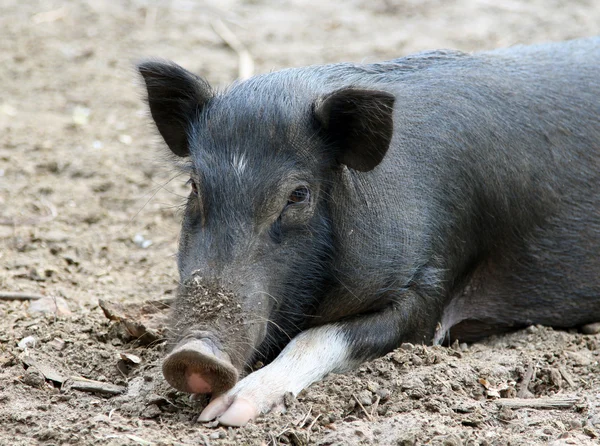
196,382
196,366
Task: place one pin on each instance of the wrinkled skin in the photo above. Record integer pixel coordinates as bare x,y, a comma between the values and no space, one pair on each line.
342,210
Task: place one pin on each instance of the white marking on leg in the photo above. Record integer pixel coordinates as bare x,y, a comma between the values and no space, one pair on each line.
309,357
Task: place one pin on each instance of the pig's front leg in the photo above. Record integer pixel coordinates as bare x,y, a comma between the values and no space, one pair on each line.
309,357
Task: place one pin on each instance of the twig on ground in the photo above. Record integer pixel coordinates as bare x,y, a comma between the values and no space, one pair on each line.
369,417
309,429
563,402
375,406
8,295
246,63
88,385
567,377
301,422
313,423
524,386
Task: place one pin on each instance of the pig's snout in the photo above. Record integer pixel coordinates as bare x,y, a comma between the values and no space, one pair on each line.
199,366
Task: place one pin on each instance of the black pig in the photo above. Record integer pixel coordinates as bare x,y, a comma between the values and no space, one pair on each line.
337,211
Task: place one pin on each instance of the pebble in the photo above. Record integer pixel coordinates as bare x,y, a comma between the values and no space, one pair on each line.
407,346
131,358
33,377
57,344
27,342
141,241
384,394
81,115
151,411
372,386
125,139
50,304
416,360
365,398
578,358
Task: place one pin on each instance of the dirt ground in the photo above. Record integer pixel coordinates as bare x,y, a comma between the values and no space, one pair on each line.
89,210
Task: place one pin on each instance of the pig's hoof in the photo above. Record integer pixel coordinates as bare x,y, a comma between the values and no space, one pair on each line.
197,366
260,392
230,411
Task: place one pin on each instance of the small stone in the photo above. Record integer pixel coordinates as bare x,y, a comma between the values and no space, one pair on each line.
372,386
413,382
416,360
33,378
50,304
590,432
384,394
578,358
399,358
81,115
141,241
151,411
154,398
131,358
27,342
125,139
365,398
407,346
575,424
57,344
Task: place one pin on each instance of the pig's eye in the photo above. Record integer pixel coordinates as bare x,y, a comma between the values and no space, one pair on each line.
194,186
300,195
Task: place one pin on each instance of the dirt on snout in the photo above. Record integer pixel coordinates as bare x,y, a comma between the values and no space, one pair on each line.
89,211
206,311
201,304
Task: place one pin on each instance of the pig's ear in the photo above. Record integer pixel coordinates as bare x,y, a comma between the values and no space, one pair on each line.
175,96
358,124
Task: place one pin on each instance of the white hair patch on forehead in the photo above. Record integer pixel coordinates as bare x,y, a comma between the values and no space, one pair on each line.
239,163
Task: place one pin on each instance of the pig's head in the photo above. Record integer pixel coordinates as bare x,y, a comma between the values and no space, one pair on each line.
257,240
